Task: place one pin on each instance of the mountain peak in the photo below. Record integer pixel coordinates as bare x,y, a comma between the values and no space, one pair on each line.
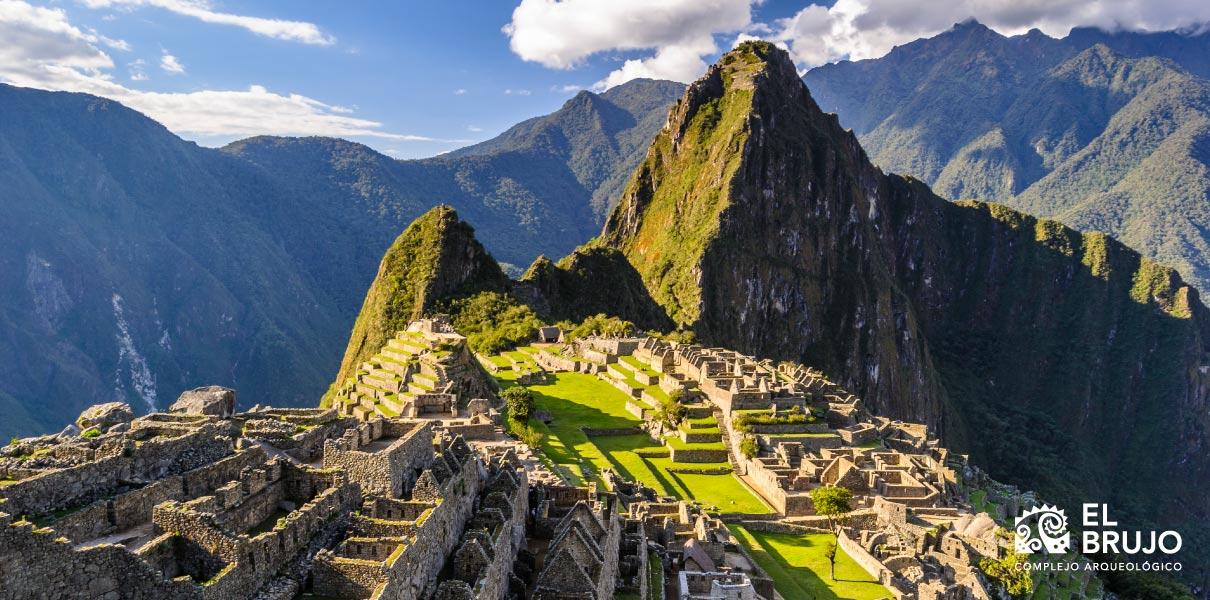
436,257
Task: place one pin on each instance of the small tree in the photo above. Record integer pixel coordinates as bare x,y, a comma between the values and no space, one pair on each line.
518,402
670,410
830,552
835,503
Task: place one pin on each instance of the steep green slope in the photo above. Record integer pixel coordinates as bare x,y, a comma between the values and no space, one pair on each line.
1102,131
437,256
1063,362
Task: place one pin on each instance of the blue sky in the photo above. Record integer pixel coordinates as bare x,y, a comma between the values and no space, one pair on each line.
416,79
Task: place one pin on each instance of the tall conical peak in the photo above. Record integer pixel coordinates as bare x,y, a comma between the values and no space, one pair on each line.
749,65
436,257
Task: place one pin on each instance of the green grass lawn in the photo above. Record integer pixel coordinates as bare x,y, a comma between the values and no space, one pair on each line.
799,567
577,400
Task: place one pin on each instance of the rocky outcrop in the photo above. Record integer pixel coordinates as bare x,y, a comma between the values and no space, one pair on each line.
104,416
436,257
211,400
592,280
1061,361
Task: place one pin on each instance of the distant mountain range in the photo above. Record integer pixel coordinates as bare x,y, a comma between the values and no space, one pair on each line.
136,265
1102,131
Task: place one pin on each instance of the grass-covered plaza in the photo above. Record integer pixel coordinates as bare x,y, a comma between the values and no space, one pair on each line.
798,564
577,400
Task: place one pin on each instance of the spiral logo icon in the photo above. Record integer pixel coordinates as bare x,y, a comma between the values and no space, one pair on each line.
1042,529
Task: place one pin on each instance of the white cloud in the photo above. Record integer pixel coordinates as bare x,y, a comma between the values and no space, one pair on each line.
512,92
42,49
566,89
138,70
562,34
170,64
295,31
858,29
460,92
473,129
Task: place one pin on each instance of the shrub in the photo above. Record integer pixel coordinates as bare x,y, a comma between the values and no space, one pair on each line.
518,402
91,433
680,336
748,446
528,435
1009,572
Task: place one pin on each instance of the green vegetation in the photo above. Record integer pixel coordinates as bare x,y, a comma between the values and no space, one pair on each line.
493,321
91,433
655,574
577,400
598,324
799,566
670,410
1009,572
673,235
518,402
1134,585
435,258
1134,171
748,446
746,421
835,503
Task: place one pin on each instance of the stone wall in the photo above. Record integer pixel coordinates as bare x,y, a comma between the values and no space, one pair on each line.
695,455
491,581
387,471
415,569
153,459
253,561
867,562
36,563
134,508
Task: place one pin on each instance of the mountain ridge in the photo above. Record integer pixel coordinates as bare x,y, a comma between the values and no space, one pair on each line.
1102,131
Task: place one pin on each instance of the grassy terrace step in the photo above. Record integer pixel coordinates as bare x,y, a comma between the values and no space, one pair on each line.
676,444
637,365
703,430
657,392
500,361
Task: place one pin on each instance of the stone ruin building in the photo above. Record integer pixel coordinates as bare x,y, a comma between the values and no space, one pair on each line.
419,373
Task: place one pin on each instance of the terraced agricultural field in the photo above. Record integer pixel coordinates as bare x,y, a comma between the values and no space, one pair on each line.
577,400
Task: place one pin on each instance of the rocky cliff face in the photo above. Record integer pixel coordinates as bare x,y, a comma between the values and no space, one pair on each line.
437,256
1063,362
